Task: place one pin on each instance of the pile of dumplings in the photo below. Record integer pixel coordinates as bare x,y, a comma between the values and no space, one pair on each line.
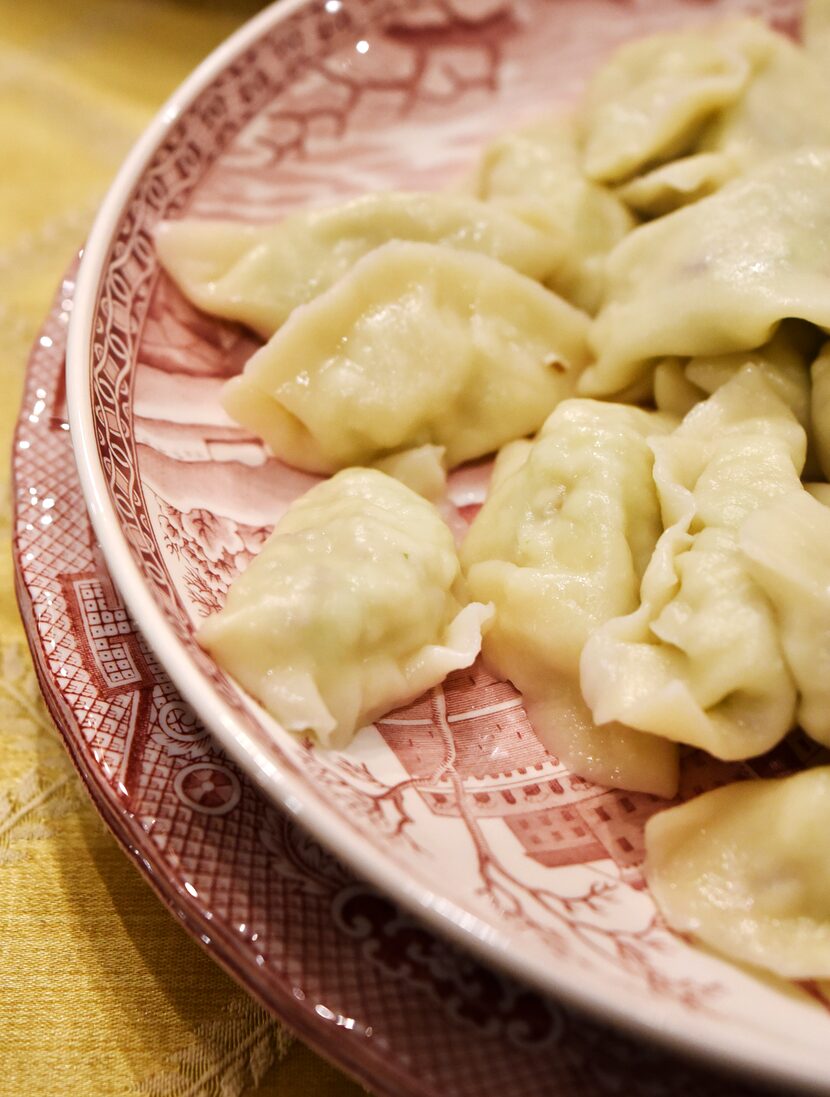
630,305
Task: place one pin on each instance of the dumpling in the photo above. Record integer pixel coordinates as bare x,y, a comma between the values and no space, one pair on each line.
777,112
700,661
421,469
417,345
680,384
787,548
820,408
559,547
537,174
745,870
258,273
815,29
355,605
670,186
771,114
674,392
782,363
718,276
649,102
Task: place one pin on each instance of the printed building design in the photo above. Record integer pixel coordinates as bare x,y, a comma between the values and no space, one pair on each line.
115,677
117,654
558,818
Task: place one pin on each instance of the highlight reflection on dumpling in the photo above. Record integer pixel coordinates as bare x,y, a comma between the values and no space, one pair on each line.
355,605
417,344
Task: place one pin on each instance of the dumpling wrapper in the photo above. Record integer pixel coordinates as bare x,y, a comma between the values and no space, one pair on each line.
718,276
258,274
421,469
559,547
783,362
744,868
417,345
649,101
678,183
701,661
782,108
815,30
537,174
787,548
355,605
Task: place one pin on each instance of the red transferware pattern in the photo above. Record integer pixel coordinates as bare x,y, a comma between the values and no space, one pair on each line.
354,975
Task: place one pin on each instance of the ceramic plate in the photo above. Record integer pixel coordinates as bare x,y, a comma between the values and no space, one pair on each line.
451,806
347,969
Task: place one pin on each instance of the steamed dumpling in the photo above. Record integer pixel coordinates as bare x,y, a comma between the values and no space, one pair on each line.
559,547
421,469
258,273
787,548
745,870
782,108
773,114
648,103
417,345
537,174
701,661
674,392
815,29
355,605
783,362
718,276
678,183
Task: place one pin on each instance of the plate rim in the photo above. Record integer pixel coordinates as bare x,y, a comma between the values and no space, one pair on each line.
665,1022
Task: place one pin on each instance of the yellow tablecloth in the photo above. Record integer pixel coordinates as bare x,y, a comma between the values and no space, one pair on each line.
101,993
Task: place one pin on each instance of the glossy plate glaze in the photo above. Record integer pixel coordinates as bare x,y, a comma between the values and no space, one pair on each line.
346,968
450,806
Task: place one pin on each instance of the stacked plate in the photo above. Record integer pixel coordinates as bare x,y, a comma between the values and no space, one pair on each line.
429,906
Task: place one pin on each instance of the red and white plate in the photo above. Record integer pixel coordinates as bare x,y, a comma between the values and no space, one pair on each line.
347,969
451,806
